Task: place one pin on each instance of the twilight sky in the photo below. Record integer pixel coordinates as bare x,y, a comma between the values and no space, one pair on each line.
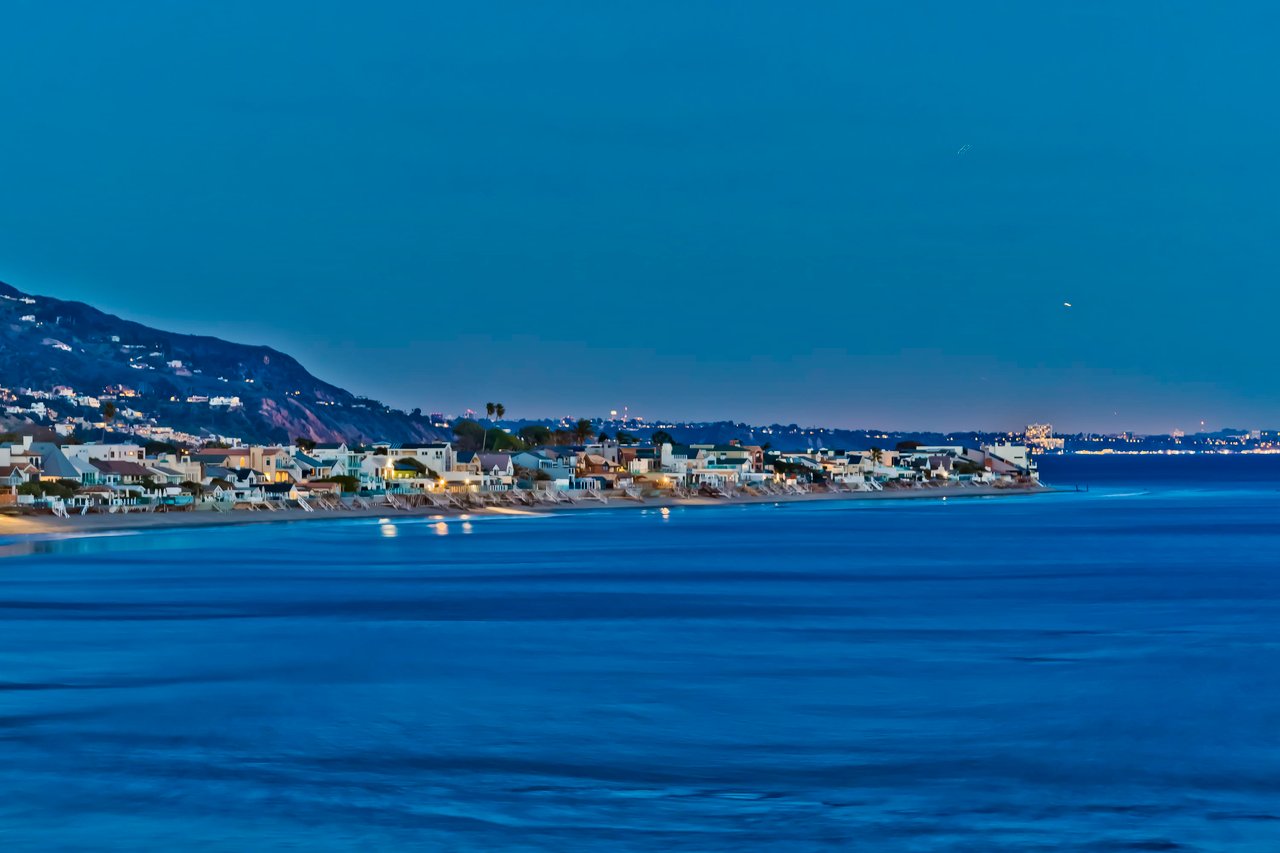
850,214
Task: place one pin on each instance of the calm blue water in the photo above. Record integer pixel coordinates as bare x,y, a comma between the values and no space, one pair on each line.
1078,672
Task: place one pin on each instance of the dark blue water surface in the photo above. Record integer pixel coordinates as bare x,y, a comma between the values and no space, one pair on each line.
1091,671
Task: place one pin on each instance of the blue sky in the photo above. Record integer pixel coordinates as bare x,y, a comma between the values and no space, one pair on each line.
751,211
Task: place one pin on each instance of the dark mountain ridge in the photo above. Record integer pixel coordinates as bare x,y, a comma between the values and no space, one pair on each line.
45,342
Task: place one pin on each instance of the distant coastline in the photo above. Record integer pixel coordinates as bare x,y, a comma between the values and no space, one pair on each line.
68,369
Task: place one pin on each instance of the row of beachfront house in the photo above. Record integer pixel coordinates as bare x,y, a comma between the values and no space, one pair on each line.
119,472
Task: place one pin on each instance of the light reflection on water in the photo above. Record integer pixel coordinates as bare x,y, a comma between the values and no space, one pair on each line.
1067,672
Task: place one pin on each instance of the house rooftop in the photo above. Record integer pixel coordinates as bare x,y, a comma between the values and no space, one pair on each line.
120,468
219,453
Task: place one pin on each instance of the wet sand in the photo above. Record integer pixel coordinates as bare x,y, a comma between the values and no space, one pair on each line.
37,525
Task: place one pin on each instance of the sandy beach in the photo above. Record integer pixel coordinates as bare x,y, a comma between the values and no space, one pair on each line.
45,525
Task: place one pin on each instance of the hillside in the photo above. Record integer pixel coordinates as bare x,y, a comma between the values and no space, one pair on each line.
46,342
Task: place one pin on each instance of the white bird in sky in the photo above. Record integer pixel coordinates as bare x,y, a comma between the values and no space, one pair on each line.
1066,305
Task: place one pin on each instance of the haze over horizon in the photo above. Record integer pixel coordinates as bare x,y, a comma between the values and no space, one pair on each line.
830,216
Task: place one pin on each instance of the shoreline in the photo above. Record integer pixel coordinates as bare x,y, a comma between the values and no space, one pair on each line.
41,525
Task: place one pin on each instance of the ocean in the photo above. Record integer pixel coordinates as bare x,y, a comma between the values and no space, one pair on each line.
1092,670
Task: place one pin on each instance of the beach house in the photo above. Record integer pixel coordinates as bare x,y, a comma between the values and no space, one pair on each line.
481,471
275,463
226,457
557,463
12,476
121,472
56,465
105,452
436,457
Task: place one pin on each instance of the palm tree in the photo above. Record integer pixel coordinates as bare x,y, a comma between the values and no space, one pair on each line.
583,430
499,410
876,455
489,409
